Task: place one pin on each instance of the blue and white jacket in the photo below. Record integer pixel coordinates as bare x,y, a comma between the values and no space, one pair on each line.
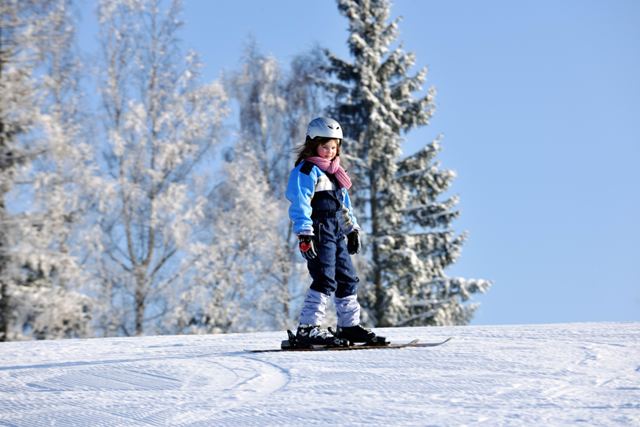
310,190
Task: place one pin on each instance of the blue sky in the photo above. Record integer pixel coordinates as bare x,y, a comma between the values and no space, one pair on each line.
539,104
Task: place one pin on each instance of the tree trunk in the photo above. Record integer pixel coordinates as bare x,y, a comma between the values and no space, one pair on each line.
140,300
4,306
4,258
4,302
378,307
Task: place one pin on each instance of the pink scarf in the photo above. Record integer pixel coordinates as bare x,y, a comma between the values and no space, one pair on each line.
332,167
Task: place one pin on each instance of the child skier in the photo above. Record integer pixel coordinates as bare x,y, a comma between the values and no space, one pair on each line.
322,216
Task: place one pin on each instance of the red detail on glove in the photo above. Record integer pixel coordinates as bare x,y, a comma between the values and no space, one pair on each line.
305,246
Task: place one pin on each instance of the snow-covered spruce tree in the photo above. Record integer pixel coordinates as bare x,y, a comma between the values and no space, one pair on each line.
240,287
274,107
397,199
161,124
42,173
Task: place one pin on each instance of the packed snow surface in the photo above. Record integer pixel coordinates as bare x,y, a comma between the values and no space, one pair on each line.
538,375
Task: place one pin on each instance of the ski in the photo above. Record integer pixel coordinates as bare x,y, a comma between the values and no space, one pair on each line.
414,343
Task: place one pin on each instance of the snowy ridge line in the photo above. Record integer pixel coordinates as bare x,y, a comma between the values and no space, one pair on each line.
102,362
488,375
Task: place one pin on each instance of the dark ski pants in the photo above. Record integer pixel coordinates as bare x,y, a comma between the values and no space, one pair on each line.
332,271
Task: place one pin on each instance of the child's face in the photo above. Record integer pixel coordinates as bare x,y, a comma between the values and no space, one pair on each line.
328,150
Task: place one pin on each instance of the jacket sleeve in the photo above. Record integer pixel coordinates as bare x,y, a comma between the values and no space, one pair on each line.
300,190
349,217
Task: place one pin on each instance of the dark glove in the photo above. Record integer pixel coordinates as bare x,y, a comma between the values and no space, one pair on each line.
307,247
353,242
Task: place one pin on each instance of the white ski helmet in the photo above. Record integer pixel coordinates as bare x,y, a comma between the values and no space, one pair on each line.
324,127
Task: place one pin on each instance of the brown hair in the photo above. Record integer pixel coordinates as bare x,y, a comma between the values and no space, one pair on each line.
310,148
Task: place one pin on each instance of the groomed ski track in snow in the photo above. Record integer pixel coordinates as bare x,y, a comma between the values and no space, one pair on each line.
535,375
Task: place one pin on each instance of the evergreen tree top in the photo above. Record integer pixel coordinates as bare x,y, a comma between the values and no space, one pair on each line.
378,78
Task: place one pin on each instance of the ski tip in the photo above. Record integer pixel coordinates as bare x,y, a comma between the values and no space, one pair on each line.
431,344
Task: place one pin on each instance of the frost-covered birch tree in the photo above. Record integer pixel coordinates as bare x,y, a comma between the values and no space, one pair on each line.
161,124
257,88
239,288
42,172
398,200
274,107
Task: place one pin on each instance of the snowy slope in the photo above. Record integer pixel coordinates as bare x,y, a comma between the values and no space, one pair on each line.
543,375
